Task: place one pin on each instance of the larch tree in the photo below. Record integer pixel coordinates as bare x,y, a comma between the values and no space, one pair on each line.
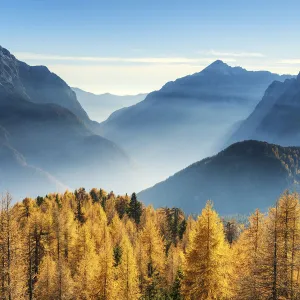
12,267
64,281
46,285
207,268
247,254
128,277
152,259
105,284
87,265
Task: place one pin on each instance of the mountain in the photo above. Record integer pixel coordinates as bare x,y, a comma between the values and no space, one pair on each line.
41,139
276,118
188,118
245,176
99,107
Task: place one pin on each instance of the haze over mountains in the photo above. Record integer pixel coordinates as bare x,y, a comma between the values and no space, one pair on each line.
276,118
100,107
187,119
48,142
244,176
46,138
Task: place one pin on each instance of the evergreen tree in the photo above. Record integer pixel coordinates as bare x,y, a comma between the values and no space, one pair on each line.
135,209
176,287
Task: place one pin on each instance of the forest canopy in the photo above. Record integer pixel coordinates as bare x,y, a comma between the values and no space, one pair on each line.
96,245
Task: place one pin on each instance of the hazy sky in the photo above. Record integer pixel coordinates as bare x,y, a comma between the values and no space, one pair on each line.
128,46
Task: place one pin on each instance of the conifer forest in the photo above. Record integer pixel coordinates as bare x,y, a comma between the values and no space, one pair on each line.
96,245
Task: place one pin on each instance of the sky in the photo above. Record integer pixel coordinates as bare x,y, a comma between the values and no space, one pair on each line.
136,46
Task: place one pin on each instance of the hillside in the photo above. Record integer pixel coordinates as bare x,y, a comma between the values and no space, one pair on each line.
244,176
100,107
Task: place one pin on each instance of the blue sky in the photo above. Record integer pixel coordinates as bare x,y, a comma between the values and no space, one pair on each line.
129,46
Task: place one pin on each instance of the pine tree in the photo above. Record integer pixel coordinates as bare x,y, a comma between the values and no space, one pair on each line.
176,287
135,209
207,269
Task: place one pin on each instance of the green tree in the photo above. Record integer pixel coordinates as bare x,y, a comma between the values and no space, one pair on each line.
135,209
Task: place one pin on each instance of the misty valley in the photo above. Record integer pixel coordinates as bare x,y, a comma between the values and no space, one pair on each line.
124,178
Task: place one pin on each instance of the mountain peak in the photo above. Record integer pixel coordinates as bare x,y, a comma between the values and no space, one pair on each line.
217,63
218,66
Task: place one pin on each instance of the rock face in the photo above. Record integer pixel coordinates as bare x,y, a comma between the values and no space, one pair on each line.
38,83
189,118
100,107
245,176
44,131
276,118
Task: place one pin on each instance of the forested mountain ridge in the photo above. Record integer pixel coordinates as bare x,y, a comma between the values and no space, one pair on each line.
275,118
101,246
38,135
201,107
244,176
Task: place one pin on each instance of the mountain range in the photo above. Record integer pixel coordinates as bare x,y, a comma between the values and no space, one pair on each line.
189,118
100,107
245,176
48,142
46,137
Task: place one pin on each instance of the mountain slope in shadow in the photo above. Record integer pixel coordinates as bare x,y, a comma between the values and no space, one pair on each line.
245,176
276,118
39,134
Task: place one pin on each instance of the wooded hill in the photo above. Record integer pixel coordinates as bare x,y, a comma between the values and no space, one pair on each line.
100,246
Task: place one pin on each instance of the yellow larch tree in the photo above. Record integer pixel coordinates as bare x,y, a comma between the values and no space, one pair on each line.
127,272
105,282
278,265
186,236
152,257
207,268
46,285
174,263
289,237
247,254
87,264
12,265
64,281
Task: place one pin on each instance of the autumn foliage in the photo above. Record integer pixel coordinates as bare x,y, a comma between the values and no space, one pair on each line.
98,245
